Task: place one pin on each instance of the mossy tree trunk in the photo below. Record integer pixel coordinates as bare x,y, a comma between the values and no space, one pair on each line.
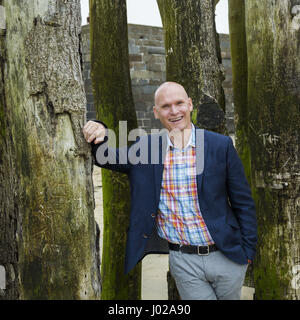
193,59
50,215
238,46
113,102
273,42
9,207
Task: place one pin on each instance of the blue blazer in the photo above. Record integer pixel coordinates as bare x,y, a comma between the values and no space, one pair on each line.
223,191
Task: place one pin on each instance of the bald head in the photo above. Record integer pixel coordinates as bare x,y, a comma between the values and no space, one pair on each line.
173,106
168,86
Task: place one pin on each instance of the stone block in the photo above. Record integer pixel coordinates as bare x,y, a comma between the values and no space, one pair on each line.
154,67
140,114
145,74
156,124
149,43
90,107
135,28
155,50
139,106
87,82
138,66
149,105
89,97
138,82
91,116
227,63
146,123
149,89
133,49
87,74
230,125
156,58
135,57
140,123
159,80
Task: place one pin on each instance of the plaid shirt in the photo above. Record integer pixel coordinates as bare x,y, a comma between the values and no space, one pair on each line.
179,219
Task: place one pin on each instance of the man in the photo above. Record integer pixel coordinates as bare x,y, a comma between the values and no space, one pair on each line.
196,198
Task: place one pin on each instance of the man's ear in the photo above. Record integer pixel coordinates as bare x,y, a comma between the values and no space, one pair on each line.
190,103
155,113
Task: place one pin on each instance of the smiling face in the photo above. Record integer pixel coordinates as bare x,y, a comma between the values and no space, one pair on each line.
173,106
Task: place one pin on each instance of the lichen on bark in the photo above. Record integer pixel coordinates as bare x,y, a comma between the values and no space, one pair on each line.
44,87
9,207
274,137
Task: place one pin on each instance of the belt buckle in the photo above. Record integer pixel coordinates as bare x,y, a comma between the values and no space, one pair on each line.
203,254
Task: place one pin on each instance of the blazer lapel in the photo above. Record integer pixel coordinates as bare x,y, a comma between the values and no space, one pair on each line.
201,156
159,168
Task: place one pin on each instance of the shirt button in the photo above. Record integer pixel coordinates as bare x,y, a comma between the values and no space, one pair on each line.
145,236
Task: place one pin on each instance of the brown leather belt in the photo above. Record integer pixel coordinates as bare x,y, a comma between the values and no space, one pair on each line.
200,250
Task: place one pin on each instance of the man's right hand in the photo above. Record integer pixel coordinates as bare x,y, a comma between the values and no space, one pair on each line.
94,131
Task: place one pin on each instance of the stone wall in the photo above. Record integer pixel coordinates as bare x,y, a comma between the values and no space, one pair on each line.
227,83
148,71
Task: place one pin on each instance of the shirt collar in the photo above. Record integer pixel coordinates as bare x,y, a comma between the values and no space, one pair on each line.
191,142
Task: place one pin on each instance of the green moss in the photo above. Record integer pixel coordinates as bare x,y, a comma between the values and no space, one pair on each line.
55,251
194,116
116,208
113,103
238,49
271,270
243,149
268,285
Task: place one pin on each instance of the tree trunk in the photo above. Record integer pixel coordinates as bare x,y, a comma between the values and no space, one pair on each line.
273,42
193,57
9,208
238,48
44,112
113,103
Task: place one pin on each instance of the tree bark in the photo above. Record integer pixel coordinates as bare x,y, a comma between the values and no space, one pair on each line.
9,208
193,57
113,103
44,110
238,46
273,42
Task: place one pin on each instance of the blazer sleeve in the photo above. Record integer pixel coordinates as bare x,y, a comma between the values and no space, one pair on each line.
241,201
106,157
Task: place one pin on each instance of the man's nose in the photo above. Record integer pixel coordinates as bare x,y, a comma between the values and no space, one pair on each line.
173,109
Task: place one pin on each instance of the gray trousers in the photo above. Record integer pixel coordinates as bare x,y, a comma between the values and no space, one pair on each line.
211,277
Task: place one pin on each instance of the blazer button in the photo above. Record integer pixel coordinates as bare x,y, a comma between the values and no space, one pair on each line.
153,215
145,236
